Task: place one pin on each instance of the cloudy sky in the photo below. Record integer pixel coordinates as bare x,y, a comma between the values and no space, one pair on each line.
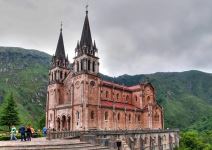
133,36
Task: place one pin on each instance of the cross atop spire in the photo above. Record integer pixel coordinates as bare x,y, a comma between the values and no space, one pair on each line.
61,26
86,7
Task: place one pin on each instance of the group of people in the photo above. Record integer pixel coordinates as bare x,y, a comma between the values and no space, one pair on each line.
26,133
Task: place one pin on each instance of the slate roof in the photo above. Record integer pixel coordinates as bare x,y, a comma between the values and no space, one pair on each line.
60,51
86,38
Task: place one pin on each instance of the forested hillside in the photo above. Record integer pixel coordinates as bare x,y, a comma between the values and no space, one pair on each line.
25,74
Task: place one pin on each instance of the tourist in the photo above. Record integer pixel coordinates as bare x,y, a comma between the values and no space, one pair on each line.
29,133
13,133
32,131
22,131
44,131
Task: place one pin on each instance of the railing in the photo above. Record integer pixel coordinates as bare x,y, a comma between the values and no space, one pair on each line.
64,134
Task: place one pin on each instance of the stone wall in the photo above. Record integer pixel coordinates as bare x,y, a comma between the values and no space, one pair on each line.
136,139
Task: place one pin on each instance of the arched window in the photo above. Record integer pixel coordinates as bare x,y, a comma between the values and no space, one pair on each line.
58,124
148,99
136,98
127,98
55,75
78,115
106,115
69,123
50,117
129,117
156,117
118,117
117,96
89,65
77,66
92,83
81,65
93,66
139,118
61,74
107,94
64,123
60,101
92,114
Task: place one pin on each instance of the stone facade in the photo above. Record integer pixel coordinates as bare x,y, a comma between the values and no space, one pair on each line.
78,99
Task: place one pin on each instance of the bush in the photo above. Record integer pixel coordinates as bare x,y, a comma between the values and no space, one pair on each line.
6,136
194,140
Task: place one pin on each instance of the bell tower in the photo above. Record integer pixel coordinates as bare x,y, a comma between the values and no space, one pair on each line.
57,74
86,59
59,64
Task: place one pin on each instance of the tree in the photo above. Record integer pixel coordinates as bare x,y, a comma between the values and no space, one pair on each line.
9,115
42,121
193,140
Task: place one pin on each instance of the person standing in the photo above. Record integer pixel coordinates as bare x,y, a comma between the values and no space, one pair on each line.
32,131
44,131
29,133
13,133
22,131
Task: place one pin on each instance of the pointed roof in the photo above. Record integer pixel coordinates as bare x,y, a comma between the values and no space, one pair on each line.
86,38
60,51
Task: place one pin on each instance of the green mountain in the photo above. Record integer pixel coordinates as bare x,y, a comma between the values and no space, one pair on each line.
25,74
185,96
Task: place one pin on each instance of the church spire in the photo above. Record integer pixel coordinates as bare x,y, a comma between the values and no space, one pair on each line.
60,63
86,45
86,39
85,60
60,51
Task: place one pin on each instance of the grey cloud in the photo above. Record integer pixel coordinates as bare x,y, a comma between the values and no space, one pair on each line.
133,37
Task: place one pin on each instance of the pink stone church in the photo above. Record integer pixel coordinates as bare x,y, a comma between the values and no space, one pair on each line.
79,99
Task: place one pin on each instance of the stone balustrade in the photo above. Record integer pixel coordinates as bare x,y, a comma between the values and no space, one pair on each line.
135,139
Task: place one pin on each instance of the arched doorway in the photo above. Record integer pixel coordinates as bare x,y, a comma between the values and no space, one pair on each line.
69,123
58,124
64,123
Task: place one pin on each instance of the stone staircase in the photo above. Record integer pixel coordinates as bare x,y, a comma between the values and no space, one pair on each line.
44,144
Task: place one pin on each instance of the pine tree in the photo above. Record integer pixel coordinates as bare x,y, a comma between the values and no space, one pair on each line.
9,115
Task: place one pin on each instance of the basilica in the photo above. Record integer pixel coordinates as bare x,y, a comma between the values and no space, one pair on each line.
79,99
